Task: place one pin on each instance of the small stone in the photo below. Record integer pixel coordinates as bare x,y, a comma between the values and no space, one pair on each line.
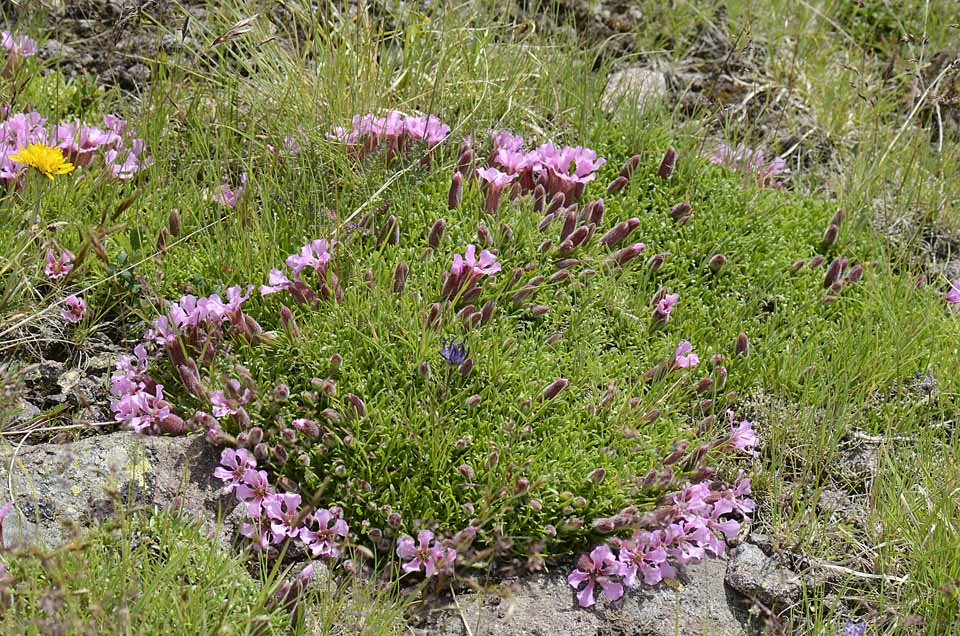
54,49
634,87
755,575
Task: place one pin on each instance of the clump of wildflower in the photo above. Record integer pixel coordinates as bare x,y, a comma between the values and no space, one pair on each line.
47,160
233,467
325,540
752,163
394,131
315,256
18,45
454,353
431,556
664,306
58,266
684,357
74,308
140,405
853,628
467,270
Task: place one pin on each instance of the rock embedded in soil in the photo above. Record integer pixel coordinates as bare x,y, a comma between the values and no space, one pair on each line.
634,87
755,575
60,486
545,605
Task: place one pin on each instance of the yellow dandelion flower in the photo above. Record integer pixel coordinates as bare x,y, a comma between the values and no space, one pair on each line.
47,159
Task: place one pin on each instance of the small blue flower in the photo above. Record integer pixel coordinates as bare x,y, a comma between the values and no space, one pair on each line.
854,628
455,353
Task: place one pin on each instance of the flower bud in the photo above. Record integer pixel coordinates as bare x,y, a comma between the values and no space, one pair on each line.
569,223
261,452
288,435
830,236
556,202
678,450
544,247
619,232
288,322
456,191
855,273
424,370
539,198
721,377
549,531
706,405
173,223
358,406
834,272
467,367
604,525
433,316
837,218
368,278
816,261
400,277
483,235
596,212
717,262
707,424
162,240
173,424
797,265
704,385
466,471
656,261
668,163
506,233
742,347
630,165
680,210
473,401
464,159
486,312
493,460
553,338
331,416
617,185
651,415
391,232
597,475
436,233
551,390
255,435
545,222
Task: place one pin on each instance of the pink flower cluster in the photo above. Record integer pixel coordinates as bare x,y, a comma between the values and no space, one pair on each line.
274,517
122,152
396,131
315,257
228,196
698,523
563,169
433,557
753,163
953,294
195,325
18,45
140,404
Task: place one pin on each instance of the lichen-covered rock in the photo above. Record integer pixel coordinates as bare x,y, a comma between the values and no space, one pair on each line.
755,575
58,487
634,87
544,605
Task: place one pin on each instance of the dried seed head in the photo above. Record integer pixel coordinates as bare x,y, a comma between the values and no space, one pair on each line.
668,163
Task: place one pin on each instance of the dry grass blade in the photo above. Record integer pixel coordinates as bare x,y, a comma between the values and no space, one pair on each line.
238,29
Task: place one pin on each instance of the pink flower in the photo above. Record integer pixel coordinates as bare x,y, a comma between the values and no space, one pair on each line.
685,540
233,467
645,555
228,196
495,182
735,499
19,45
751,162
486,265
132,373
742,436
508,141
129,166
684,357
434,559
142,411
315,255
953,294
277,282
74,309
324,541
283,511
662,312
58,267
230,402
599,567
690,503
253,489
256,530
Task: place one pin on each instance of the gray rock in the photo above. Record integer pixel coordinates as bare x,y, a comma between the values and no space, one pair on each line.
755,575
544,605
58,487
634,87
55,49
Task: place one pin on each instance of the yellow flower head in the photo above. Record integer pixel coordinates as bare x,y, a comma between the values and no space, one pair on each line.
47,159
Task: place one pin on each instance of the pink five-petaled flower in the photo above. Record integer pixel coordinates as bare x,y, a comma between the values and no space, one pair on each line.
686,539
735,499
324,541
233,467
224,405
315,255
283,511
953,294
684,356
58,267
486,265
742,436
599,567
142,411
664,307
74,308
18,45
257,531
645,555
434,559
253,490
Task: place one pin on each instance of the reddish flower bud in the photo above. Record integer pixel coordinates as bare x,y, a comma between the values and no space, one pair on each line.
597,475
483,235
394,520
560,276
433,316
261,452
358,406
668,163
493,459
539,310
487,311
553,389
619,232
473,400
680,210
162,240
830,236
424,370
816,261
720,374
796,266
855,273
455,195
400,277
554,338
742,347
368,278
173,223
466,367
391,232
837,218
678,450
651,415
706,405
464,160
717,263
545,222
569,223
539,198
704,385
834,272
627,254
545,246
466,471
556,202
506,233
596,212
436,233
617,185
656,261
630,165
